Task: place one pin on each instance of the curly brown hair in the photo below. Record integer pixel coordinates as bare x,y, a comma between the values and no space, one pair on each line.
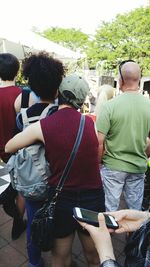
44,74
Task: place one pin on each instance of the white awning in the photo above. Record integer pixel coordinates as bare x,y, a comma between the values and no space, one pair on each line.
20,43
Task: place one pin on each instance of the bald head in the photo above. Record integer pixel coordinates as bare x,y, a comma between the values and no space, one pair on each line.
131,75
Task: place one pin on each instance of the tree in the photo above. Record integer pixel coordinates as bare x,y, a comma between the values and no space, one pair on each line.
70,38
126,37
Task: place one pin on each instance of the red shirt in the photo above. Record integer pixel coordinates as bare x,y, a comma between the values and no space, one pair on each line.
59,131
7,115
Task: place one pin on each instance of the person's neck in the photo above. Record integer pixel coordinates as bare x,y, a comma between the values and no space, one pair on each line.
7,83
131,90
46,101
64,106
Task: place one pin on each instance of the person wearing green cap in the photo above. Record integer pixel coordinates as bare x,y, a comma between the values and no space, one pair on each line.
83,186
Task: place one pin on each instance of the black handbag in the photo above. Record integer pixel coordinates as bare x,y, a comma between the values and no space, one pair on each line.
138,247
42,227
8,200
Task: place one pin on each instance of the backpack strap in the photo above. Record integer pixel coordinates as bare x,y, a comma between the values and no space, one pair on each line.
26,121
51,108
45,111
24,106
25,98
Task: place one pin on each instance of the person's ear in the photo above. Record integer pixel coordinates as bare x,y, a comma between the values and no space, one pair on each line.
120,83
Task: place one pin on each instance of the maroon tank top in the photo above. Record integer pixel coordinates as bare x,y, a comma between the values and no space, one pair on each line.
59,131
7,115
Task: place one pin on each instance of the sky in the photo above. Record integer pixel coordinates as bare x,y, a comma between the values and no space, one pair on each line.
80,14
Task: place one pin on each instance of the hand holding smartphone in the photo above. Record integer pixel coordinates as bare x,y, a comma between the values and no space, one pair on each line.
91,217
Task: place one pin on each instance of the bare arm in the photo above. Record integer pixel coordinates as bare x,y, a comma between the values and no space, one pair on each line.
129,220
30,135
101,238
148,147
17,104
101,140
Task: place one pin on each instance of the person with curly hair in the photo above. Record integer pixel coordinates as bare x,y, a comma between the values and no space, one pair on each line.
44,75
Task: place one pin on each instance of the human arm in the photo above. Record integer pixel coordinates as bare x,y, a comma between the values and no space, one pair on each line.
147,150
101,147
103,127
102,241
129,220
30,135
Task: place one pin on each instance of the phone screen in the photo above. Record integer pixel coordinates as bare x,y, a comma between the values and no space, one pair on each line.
89,215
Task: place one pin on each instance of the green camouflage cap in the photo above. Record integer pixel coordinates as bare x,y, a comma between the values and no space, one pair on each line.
78,86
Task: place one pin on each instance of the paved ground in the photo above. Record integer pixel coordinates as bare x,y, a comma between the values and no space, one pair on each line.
13,253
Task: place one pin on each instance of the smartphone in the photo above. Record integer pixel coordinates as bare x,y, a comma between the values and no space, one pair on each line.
91,217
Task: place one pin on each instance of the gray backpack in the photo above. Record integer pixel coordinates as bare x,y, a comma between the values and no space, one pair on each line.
28,168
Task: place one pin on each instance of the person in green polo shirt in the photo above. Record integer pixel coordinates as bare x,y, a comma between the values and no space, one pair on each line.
123,127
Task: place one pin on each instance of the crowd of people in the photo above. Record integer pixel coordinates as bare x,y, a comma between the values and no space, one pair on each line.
111,159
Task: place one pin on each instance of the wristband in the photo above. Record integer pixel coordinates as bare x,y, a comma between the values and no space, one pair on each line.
110,263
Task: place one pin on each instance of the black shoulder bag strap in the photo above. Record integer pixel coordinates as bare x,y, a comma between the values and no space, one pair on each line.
70,160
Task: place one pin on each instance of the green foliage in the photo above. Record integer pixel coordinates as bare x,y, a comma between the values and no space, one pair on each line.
128,36
70,38
20,79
